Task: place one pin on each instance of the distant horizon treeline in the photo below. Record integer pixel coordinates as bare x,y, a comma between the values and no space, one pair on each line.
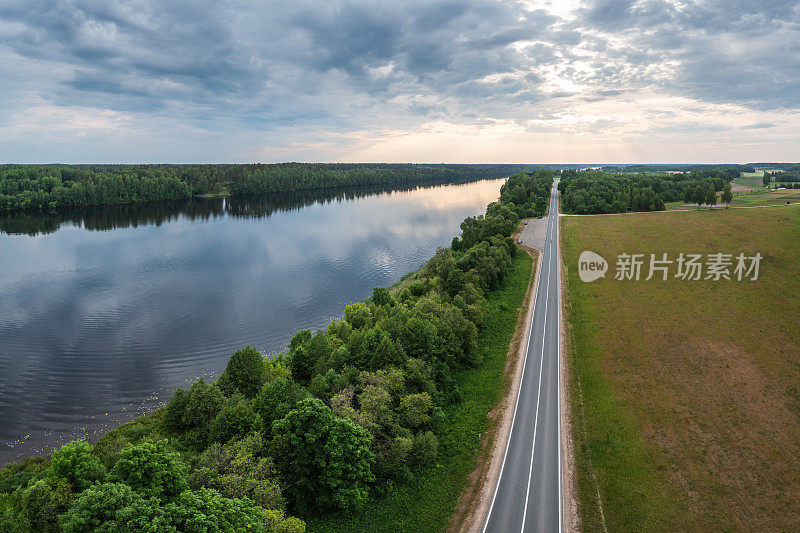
32,187
648,168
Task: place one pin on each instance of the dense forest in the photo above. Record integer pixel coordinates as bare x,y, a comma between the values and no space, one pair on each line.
49,186
595,192
638,169
776,166
343,415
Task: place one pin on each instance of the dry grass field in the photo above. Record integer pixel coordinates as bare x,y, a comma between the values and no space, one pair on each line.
688,391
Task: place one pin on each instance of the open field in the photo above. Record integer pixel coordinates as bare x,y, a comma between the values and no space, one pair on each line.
689,392
428,502
750,179
757,197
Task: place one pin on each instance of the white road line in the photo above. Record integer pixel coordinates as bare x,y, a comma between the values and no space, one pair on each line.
538,392
558,354
516,404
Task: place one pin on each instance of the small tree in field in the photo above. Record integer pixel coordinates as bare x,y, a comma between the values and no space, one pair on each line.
711,198
699,196
727,196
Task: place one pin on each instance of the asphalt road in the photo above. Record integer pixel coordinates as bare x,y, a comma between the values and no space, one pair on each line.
528,493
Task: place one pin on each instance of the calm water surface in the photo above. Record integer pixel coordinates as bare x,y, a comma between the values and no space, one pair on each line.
104,311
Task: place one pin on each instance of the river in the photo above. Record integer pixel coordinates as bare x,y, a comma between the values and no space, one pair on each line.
105,311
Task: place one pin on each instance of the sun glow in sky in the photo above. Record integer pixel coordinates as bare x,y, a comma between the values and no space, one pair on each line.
541,81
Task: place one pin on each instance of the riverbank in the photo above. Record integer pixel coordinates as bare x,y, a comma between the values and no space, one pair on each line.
428,503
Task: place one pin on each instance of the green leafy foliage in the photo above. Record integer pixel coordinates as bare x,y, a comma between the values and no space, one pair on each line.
151,470
244,373
276,399
593,192
235,422
324,460
75,464
240,470
112,507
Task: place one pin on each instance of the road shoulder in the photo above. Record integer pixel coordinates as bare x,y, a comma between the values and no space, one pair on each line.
569,490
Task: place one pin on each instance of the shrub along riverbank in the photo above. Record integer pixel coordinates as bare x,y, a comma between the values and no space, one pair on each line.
373,422
49,186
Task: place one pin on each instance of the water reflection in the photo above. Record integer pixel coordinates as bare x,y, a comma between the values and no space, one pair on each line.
96,326
103,218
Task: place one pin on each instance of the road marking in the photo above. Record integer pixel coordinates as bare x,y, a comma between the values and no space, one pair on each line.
516,403
541,366
558,354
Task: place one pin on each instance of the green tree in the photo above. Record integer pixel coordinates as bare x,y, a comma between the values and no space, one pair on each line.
382,296
204,402
727,195
424,449
237,471
75,464
765,181
711,198
699,196
415,410
43,501
325,461
276,399
113,507
151,470
244,373
234,422
206,510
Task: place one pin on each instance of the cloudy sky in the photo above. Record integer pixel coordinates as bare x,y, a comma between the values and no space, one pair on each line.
440,81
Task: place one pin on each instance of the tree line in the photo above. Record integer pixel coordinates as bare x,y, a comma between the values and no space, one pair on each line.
790,178
596,192
48,186
734,170
343,414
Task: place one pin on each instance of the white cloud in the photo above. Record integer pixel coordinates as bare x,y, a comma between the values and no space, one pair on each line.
477,80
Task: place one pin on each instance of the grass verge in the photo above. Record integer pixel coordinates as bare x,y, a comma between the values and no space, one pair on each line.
686,395
427,502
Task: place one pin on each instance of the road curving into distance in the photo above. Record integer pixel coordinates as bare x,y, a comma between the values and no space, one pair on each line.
528,492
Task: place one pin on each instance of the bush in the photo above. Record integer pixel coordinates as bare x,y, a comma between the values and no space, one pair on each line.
424,449
111,507
236,471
